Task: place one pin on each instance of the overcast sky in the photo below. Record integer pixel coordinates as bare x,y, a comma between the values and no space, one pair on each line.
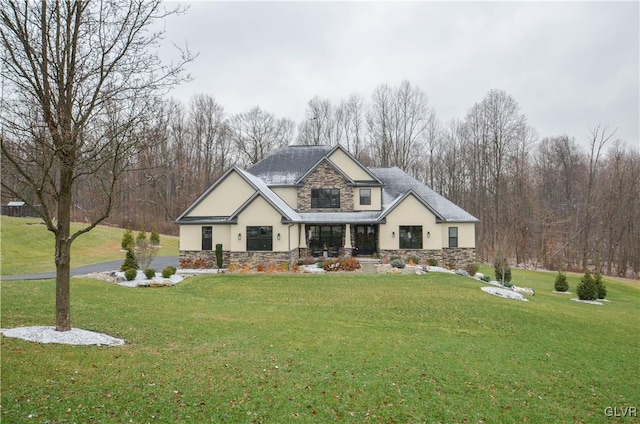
569,65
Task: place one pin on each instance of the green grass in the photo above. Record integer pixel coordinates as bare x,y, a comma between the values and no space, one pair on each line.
27,246
324,348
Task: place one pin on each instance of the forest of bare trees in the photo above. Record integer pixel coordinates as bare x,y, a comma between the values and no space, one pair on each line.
552,202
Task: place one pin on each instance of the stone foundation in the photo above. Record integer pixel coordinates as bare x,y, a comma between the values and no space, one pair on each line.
208,256
456,256
264,258
423,255
459,256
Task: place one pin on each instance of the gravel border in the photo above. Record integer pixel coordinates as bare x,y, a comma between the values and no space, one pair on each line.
75,336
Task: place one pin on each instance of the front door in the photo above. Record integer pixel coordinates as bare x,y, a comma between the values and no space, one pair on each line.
366,239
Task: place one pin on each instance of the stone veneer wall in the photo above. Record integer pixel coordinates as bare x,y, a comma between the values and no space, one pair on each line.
405,253
456,256
207,255
255,258
325,176
459,256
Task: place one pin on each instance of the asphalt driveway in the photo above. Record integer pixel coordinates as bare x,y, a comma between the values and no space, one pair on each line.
158,263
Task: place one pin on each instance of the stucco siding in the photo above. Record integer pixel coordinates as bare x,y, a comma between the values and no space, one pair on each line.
410,212
190,237
261,213
466,234
349,167
288,194
225,198
376,199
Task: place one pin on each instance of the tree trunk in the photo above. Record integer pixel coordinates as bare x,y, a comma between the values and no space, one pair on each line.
63,252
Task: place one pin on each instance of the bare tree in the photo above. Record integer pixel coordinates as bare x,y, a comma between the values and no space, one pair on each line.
319,124
257,133
80,76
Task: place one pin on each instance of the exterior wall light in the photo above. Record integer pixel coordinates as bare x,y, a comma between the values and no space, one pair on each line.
393,234
428,234
239,236
278,236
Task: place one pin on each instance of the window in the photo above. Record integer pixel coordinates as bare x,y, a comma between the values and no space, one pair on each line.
259,238
453,236
325,198
411,237
325,236
365,196
207,238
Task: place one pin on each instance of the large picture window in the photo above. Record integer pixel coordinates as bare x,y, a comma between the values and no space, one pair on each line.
207,238
325,237
259,238
411,237
453,236
365,196
325,198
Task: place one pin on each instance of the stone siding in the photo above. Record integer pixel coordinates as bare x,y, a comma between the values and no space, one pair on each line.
265,258
405,253
324,176
459,256
206,255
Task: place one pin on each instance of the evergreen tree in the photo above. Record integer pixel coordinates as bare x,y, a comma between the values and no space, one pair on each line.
561,282
587,289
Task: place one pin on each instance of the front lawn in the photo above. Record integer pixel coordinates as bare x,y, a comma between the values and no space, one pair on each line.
323,348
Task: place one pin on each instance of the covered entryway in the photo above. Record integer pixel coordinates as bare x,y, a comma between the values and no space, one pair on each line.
366,239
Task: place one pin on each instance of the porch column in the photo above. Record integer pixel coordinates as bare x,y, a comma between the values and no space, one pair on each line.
347,236
302,236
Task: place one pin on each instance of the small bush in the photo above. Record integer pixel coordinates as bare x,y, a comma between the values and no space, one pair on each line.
561,284
587,289
219,258
130,261
472,269
600,287
397,263
485,278
350,264
260,267
432,262
502,268
154,238
507,284
413,260
332,264
232,267
393,258
295,267
149,273
320,264
130,274
168,272
127,240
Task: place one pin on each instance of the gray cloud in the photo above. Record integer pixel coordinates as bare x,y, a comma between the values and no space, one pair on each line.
569,65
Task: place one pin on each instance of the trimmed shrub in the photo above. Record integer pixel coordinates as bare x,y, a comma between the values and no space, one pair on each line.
587,289
397,263
600,287
393,258
149,273
130,261
561,284
130,274
485,278
154,238
127,240
168,272
472,269
260,267
413,260
432,262
219,255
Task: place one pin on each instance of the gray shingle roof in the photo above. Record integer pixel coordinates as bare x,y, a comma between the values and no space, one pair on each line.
397,183
287,165
271,197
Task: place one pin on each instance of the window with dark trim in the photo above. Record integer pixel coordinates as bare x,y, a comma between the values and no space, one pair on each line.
411,237
260,238
365,196
325,198
453,236
207,238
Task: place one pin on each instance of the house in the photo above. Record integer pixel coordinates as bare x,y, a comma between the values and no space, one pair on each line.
320,201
